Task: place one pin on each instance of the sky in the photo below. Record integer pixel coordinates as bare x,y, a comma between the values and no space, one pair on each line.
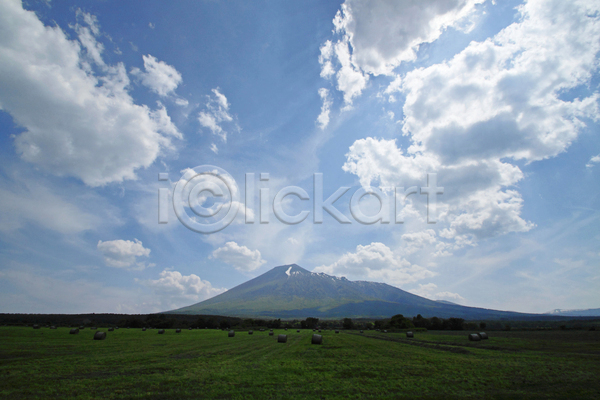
155,154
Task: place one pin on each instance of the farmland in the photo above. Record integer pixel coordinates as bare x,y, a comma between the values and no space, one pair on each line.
44,363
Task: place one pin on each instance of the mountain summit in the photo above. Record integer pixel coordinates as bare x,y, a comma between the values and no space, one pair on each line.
290,291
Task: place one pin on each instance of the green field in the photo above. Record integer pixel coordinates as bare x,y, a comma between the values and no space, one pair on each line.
46,363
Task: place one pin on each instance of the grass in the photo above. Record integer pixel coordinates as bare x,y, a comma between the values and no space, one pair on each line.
132,364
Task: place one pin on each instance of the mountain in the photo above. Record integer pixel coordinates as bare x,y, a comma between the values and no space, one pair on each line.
591,312
290,291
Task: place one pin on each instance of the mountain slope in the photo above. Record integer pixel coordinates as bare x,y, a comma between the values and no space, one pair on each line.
290,291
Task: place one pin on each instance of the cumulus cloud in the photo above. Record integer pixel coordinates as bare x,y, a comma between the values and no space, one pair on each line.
240,257
496,102
123,253
373,38
77,122
159,76
376,262
217,115
178,290
385,33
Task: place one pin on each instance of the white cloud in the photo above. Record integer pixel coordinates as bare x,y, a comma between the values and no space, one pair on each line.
415,241
214,148
498,101
375,37
77,123
323,118
240,257
87,36
217,114
376,262
594,160
385,33
429,291
177,290
123,253
160,77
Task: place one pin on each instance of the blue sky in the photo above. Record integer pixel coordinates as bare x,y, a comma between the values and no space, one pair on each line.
499,99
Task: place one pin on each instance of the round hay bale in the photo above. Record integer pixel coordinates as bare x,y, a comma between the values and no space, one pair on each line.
282,339
336,331
81,327
36,327
161,331
190,328
361,331
231,334
317,339
53,327
473,337
111,329
94,328
285,329
297,330
262,330
143,329
116,327
177,330
271,333
74,331
410,334
99,335
483,335
319,331
250,332
385,331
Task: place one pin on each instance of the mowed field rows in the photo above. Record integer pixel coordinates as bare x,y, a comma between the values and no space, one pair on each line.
130,363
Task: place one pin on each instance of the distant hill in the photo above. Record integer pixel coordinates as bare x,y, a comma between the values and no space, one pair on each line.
590,312
290,291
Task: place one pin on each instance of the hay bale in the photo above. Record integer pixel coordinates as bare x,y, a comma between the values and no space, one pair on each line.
473,337
262,330
36,327
271,333
74,331
297,330
111,329
99,335
53,327
161,331
285,329
282,339
336,331
143,329
94,328
81,327
116,327
410,335
250,332
319,331
361,331
177,330
190,328
385,331
317,339
483,335
231,334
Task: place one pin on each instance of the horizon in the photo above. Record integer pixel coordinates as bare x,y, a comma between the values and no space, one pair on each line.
155,156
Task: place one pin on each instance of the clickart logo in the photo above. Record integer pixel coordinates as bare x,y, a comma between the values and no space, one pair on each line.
206,199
